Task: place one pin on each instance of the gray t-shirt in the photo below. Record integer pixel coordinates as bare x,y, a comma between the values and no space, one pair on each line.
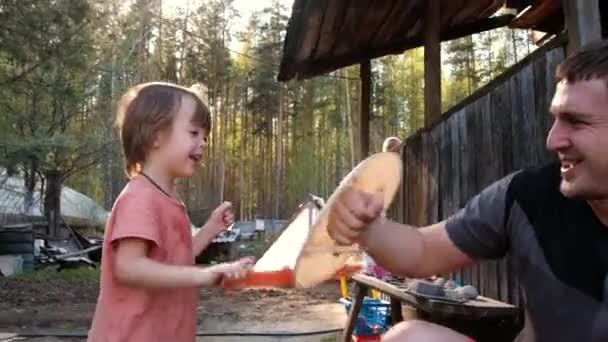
558,245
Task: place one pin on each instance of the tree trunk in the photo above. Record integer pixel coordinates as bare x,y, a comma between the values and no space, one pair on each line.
351,125
244,136
279,157
30,187
52,201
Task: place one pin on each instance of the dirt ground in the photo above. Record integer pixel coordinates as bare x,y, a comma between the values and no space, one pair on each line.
65,304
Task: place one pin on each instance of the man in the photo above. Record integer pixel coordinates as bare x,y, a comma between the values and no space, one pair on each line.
551,220
390,144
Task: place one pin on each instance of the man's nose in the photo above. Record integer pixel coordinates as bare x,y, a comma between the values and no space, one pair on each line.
559,136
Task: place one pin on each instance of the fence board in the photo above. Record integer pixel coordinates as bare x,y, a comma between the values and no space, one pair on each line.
494,132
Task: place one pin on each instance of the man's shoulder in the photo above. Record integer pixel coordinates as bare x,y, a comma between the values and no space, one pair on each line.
540,183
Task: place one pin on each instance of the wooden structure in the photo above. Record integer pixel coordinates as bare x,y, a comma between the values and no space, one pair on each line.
494,317
498,129
323,36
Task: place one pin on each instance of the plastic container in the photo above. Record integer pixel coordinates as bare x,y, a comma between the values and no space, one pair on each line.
373,316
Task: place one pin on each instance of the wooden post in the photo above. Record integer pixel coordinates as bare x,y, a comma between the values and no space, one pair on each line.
582,18
365,73
357,302
432,63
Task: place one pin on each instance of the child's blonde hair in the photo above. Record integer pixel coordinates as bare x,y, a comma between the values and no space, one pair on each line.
148,109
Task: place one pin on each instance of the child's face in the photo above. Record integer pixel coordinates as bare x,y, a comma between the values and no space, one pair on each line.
182,147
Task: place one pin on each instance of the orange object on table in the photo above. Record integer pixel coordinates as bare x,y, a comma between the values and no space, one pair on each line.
282,278
348,270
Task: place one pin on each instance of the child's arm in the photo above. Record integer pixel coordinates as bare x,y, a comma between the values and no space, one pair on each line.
134,268
221,218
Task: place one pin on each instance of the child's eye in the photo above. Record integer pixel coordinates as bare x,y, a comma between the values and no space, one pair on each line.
194,133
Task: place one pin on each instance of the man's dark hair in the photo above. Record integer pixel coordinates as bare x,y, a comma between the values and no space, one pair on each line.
589,62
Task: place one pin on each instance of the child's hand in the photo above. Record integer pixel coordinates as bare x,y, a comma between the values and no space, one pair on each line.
234,270
221,218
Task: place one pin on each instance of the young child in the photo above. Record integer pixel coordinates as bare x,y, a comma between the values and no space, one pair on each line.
149,284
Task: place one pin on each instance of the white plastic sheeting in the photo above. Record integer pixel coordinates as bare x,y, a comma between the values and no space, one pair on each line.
74,205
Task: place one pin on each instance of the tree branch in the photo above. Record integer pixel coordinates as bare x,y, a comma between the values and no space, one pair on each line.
50,55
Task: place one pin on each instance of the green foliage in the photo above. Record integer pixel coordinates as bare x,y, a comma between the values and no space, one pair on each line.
65,63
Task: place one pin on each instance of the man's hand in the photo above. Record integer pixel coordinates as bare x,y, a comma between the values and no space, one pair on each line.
221,218
351,213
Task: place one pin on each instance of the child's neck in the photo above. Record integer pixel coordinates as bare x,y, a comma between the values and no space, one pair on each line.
160,177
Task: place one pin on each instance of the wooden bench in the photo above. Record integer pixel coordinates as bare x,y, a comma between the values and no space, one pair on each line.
484,319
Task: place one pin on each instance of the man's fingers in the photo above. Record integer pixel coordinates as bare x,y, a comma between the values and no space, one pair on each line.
374,206
347,215
344,236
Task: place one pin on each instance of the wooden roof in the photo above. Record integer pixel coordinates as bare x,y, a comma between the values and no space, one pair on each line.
326,35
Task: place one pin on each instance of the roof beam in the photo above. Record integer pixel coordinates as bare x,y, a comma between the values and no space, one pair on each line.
312,68
582,22
432,62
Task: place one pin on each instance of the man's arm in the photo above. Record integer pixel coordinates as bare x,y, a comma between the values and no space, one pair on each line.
413,252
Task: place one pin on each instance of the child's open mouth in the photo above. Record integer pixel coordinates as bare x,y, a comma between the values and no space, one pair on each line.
195,157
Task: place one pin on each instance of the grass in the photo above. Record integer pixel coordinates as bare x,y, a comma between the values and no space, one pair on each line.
333,338
52,274
254,248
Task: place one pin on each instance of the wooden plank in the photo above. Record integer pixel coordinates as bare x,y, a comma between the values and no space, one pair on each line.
474,309
346,53
463,153
433,207
309,36
349,29
502,116
396,314
397,22
454,194
539,67
417,153
333,19
373,20
583,22
517,122
405,185
455,170
432,62
407,180
530,126
445,162
424,177
476,135
365,73
501,124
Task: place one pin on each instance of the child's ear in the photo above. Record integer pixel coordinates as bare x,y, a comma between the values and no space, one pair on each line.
159,138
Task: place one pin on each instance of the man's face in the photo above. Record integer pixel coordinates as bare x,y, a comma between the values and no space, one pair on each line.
579,136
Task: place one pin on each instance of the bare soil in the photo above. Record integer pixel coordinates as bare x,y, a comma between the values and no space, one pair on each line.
66,304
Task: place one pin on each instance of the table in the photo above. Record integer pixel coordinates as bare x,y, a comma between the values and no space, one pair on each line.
479,308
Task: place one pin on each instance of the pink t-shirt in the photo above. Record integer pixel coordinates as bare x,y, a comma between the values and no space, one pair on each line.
125,313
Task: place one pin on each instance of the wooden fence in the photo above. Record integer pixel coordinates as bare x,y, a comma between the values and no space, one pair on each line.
495,131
